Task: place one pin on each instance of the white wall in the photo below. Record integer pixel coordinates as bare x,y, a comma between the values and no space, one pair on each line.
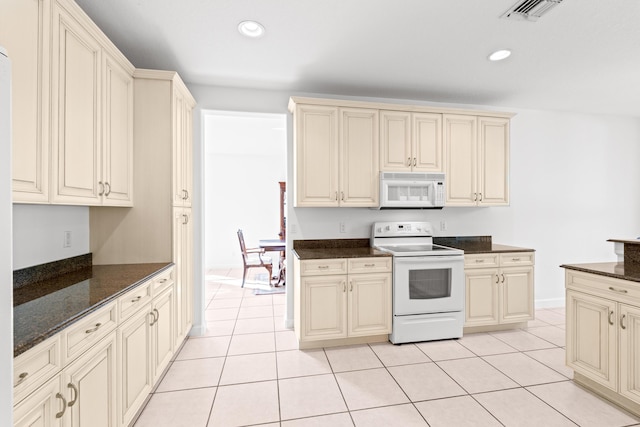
246,156
574,184
38,233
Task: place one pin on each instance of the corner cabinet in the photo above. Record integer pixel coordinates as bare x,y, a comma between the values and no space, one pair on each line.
342,301
603,336
499,289
477,160
336,156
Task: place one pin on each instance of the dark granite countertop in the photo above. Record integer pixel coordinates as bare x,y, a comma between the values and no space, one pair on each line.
42,309
477,244
616,270
335,248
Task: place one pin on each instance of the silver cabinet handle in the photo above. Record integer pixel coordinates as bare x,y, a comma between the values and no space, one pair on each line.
101,188
185,195
622,321
64,405
475,197
415,161
480,197
350,285
344,287
157,315
611,317
342,195
479,260
136,299
502,277
409,161
162,280
622,291
515,259
75,394
497,279
92,330
22,377
369,265
336,196
323,267
108,189
186,219
153,318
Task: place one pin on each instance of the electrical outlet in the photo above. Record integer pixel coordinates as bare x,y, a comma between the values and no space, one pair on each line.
343,228
443,225
67,240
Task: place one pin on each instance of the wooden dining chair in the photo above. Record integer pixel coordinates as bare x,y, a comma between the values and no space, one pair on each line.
253,258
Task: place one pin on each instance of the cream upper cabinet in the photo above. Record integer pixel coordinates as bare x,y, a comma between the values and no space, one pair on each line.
183,150
92,114
75,88
410,142
24,32
499,288
477,160
183,258
359,171
316,156
117,147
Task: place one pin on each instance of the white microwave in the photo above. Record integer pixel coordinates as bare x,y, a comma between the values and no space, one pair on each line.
409,190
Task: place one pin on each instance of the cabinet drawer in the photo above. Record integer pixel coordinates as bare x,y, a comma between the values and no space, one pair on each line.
608,287
132,300
162,282
370,265
481,260
35,366
88,331
318,267
516,258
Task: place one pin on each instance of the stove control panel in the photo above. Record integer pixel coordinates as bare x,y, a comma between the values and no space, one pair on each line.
391,229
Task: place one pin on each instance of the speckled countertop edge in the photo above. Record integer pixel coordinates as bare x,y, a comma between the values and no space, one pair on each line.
24,340
615,270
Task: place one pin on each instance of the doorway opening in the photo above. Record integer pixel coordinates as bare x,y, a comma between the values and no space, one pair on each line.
244,166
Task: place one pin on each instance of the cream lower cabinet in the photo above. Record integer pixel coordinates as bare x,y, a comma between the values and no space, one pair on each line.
499,288
410,142
336,156
183,258
603,336
477,160
339,299
83,394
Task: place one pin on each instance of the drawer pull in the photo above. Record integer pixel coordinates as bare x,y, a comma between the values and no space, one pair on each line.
136,299
162,280
92,330
622,291
515,259
64,405
622,321
479,260
611,317
323,267
75,394
22,377
369,265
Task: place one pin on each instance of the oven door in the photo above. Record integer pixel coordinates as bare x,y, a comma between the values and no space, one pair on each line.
428,284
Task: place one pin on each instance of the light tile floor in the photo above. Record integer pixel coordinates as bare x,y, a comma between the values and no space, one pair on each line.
246,371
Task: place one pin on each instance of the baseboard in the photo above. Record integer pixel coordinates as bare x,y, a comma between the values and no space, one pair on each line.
549,303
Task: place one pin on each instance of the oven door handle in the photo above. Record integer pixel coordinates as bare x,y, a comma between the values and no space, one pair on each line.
427,259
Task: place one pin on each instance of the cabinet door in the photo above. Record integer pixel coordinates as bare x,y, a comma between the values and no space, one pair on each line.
43,408
177,148
163,336
359,170
516,294
134,370
183,258
427,142
395,141
482,300
591,337
629,322
316,156
369,304
76,77
24,32
117,147
187,154
323,307
460,141
91,387
493,166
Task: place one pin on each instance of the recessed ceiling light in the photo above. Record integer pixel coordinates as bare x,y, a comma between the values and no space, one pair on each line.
499,55
251,29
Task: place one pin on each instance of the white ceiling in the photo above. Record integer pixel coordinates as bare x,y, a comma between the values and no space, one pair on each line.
583,56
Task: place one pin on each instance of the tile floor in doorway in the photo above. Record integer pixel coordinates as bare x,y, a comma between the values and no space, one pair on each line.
246,371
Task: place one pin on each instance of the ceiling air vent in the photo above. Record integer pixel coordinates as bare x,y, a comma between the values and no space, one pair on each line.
530,10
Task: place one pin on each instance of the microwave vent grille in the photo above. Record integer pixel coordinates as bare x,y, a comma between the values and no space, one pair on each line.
412,176
530,10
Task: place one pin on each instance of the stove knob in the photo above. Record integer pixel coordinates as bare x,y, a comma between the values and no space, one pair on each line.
388,228
379,230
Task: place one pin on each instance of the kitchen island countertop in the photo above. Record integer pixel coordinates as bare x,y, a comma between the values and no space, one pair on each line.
43,309
616,270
